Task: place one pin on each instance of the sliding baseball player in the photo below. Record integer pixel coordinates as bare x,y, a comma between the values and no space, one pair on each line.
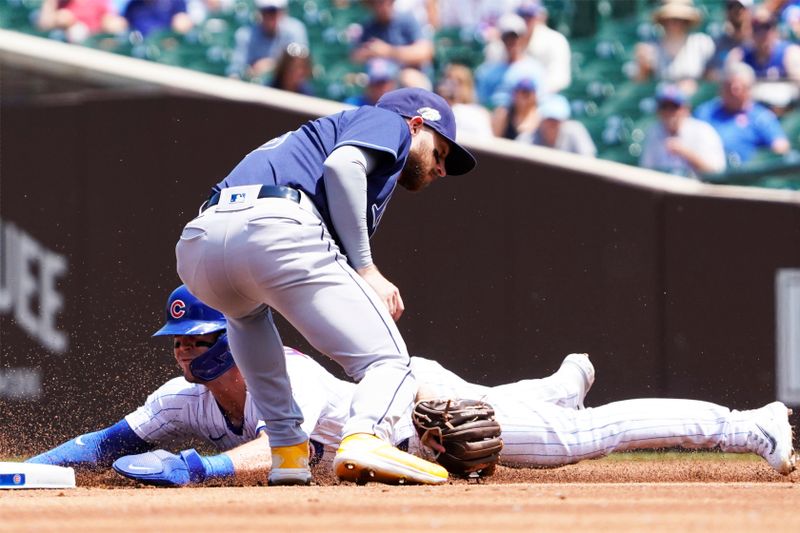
543,420
209,403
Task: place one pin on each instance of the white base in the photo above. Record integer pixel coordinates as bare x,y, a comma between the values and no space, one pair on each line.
34,476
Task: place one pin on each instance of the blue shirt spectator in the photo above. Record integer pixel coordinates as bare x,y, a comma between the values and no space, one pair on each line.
401,30
743,124
495,80
259,46
397,37
147,16
381,78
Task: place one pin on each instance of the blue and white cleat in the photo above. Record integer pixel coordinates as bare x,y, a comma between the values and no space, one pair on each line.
771,438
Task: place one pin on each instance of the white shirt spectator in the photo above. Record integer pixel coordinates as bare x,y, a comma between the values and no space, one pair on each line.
551,50
689,62
699,135
473,120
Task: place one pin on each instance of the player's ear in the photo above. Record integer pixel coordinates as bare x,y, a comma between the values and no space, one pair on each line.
415,124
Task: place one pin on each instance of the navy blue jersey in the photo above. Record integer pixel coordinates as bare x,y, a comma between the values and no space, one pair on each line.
296,159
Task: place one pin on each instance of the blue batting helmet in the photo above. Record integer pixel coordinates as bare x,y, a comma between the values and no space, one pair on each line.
186,315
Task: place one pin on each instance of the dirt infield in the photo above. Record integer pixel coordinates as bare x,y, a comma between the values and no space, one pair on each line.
669,494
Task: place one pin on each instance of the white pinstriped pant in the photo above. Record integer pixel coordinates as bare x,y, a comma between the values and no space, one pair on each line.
543,427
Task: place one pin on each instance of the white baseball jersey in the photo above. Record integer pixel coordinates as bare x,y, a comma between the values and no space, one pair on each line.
539,428
179,411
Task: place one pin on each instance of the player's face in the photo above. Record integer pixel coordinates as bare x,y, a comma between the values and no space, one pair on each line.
189,347
425,163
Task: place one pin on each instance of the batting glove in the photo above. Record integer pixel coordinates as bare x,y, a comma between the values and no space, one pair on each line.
165,469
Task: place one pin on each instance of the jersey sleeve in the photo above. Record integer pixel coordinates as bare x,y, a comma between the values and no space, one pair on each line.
377,129
163,415
768,127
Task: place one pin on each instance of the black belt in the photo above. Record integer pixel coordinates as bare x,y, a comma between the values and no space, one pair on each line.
267,191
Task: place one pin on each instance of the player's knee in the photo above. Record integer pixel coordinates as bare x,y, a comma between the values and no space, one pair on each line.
380,364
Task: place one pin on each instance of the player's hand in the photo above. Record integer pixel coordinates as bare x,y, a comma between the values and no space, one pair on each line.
386,291
162,468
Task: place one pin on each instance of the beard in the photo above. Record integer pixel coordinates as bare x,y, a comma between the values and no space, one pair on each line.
412,176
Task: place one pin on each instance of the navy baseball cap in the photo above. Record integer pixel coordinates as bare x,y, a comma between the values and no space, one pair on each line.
413,102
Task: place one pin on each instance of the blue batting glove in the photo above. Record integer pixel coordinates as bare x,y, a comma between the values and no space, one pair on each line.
162,468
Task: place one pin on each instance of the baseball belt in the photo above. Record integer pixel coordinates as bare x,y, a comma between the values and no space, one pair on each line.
267,191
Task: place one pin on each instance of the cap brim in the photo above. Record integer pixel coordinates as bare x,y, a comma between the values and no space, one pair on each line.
190,327
459,161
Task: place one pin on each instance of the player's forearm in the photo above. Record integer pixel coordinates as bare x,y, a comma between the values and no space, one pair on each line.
98,448
700,164
345,176
414,55
252,457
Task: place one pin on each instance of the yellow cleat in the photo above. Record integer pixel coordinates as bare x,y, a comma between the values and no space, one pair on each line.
290,465
362,458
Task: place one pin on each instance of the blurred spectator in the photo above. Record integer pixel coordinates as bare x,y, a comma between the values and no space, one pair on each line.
788,13
678,143
396,37
201,10
776,62
557,131
495,79
293,71
738,31
147,16
381,78
458,88
522,115
259,46
473,16
426,12
680,56
743,124
547,46
79,19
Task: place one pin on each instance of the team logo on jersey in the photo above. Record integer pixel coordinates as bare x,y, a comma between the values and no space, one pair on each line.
177,309
429,113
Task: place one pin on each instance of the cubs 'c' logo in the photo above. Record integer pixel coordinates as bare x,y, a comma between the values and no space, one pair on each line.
177,309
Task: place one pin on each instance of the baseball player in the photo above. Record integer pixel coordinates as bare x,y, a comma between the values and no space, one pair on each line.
288,229
544,423
566,387
538,432
209,403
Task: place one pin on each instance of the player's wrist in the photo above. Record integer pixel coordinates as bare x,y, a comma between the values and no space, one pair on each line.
214,467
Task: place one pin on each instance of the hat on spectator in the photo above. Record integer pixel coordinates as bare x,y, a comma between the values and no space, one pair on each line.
526,83
743,3
671,93
380,70
512,23
271,4
555,107
434,110
530,8
677,9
